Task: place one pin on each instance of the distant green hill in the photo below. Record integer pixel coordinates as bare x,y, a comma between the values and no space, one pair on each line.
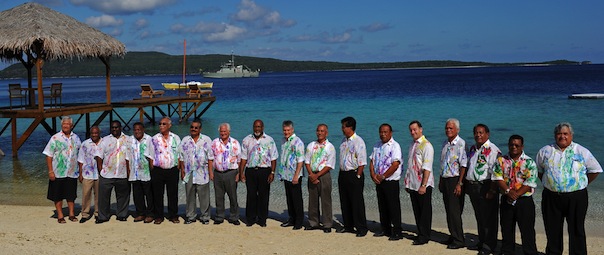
156,63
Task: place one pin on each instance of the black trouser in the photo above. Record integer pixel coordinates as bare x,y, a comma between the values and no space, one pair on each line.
122,194
422,210
453,207
142,193
258,189
167,178
389,205
352,201
523,213
295,204
486,212
573,207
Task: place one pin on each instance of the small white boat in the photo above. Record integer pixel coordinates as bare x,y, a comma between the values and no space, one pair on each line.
230,70
587,96
175,86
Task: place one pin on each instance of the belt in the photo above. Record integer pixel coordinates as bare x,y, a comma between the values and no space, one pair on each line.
475,182
257,168
225,171
349,170
562,193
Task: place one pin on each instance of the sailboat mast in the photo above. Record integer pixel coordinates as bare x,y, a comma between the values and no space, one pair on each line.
184,63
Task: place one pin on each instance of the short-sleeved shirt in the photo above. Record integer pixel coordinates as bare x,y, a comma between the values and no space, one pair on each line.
164,152
226,156
421,157
384,155
139,165
258,152
195,156
320,155
566,171
482,161
515,174
64,153
353,153
86,157
115,152
292,153
453,157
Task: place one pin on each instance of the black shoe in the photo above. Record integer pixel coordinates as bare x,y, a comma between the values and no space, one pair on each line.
454,246
122,218
235,222
418,242
361,234
218,222
327,230
379,234
249,224
311,228
82,220
344,230
297,228
286,224
395,237
263,225
475,247
484,252
97,221
187,221
204,222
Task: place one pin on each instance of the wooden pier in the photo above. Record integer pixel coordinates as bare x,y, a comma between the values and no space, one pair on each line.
183,107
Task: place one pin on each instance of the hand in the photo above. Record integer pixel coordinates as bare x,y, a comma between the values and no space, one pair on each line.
80,178
51,176
457,191
421,190
513,195
313,177
295,180
376,179
237,178
271,177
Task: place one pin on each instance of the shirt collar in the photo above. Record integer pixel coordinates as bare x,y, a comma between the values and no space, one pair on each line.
455,140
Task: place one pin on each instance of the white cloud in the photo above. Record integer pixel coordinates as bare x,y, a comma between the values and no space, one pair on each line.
230,33
325,37
104,21
141,23
374,27
123,6
257,16
200,27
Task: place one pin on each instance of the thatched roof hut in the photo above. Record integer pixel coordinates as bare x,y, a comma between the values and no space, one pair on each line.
41,33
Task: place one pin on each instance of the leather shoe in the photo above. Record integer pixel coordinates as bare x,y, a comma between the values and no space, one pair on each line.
475,247
218,222
99,221
204,222
122,218
379,234
297,228
187,221
343,230
262,225
175,220
286,224
82,220
158,221
418,242
311,228
148,219
395,237
361,234
139,218
235,222
327,230
484,252
454,246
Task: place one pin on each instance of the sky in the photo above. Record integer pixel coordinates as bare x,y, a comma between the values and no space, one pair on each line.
353,30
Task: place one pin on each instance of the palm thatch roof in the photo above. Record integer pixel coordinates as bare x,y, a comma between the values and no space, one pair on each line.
31,27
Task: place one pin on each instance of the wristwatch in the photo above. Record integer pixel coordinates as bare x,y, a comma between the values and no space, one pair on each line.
424,185
507,191
358,176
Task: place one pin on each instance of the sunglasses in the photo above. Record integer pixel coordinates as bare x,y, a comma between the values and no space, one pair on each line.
194,127
163,123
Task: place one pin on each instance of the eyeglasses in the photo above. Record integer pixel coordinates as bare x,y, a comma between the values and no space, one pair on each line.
163,123
194,127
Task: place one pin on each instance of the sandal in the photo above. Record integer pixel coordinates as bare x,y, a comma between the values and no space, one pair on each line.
73,218
61,220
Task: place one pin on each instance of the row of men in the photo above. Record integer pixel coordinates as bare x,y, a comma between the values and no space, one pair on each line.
152,163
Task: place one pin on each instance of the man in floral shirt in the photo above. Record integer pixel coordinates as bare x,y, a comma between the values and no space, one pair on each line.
290,172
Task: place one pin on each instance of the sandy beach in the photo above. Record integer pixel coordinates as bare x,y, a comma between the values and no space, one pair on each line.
33,230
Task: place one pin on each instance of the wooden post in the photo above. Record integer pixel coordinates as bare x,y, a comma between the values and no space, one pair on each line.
39,64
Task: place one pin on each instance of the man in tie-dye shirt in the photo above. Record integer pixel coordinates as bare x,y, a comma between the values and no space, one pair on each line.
61,158
140,174
419,181
385,167
227,156
565,168
290,172
319,159
89,173
482,159
113,160
195,163
258,162
516,176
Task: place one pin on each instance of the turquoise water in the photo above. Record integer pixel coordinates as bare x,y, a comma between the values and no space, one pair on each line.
511,100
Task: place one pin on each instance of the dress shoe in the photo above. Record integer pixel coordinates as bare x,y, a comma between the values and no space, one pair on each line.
262,225
297,228
158,221
97,221
311,228
475,247
344,230
361,234
139,218
82,220
148,219
327,230
204,222
235,222
454,246
218,222
418,242
484,252
286,224
175,220
187,221
395,237
122,218
379,234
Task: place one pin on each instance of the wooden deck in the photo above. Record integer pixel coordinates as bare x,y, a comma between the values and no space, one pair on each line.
183,107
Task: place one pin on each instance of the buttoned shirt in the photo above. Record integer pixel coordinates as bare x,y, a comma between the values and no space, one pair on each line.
259,152
353,153
86,157
384,155
566,171
319,155
481,161
292,153
226,156
515,174
421,156
115,152
64,153
453,157
195,156
164,152
139,165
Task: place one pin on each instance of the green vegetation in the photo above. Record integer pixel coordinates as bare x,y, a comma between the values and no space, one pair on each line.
156,63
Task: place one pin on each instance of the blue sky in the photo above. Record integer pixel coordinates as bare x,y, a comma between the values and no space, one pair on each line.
351,31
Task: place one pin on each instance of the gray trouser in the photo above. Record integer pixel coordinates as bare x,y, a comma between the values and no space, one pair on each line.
122,194
194,191
321,191
224,182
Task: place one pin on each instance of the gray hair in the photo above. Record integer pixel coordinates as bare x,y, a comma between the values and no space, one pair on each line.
563,125
167,118
66,119
288,123
227,125
455,122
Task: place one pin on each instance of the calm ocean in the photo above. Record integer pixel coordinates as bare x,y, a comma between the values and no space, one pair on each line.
511,100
